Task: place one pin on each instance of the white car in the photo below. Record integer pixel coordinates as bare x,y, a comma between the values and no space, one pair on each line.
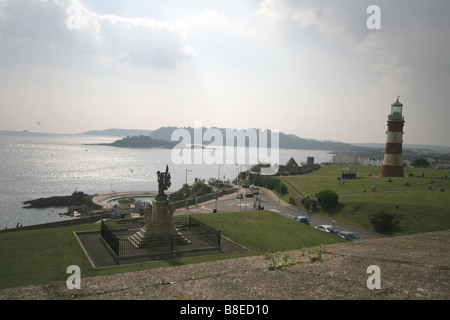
326,228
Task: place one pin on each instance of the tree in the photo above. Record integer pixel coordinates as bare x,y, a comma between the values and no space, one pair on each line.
271,184
327,199
420,163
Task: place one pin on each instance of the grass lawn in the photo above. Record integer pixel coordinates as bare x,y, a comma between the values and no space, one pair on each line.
264,231
416,211
42,256
326,178
415,207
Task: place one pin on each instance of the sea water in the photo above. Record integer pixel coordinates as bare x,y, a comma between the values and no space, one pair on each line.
35,165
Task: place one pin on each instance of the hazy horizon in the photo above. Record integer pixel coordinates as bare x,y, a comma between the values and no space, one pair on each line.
369,144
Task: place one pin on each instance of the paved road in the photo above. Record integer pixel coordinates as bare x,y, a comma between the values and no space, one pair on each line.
231,203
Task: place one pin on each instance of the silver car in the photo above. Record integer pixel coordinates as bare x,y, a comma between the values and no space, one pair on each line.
349,235
326,228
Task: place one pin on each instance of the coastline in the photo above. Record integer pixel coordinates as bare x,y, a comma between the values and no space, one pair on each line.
102,200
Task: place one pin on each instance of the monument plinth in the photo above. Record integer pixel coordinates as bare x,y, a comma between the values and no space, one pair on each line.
159,225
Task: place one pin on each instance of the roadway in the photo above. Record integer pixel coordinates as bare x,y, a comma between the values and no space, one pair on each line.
270,202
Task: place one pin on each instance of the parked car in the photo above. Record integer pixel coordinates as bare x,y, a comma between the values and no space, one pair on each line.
302,219
253,189
326,228
349,235
102,220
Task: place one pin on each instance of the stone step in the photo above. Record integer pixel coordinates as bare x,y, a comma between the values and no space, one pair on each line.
140,240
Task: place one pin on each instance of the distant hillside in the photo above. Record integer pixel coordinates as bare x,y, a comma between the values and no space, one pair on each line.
165,133
140,142
118,132
286,141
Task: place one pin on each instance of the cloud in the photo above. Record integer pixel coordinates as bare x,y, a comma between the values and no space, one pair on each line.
68,25
411,40
328,18
213,20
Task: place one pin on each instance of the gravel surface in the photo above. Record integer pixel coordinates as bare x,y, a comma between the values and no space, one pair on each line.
411,267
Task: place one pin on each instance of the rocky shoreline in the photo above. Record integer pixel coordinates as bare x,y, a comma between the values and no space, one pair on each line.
76,202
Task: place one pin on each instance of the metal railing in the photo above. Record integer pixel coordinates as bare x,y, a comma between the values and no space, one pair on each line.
191,236
111,239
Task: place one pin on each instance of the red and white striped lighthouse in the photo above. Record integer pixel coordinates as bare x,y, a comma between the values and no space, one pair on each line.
393,164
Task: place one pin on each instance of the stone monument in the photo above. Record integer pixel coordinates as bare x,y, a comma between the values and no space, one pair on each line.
158,217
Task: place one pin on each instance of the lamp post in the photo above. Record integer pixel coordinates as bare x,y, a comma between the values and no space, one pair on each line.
218,175
186,175
279,198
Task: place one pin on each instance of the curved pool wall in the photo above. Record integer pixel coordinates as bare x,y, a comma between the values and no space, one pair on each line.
149,199
106,199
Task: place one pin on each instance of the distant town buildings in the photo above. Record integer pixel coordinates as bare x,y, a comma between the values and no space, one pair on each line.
292,167
356,160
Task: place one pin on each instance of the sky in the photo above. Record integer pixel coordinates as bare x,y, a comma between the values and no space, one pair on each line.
323,69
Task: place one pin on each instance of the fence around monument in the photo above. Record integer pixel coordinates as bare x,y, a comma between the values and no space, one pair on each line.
196,235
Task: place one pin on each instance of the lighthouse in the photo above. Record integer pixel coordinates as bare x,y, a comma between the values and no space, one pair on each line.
393,164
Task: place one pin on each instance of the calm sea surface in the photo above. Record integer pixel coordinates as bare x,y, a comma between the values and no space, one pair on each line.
37,165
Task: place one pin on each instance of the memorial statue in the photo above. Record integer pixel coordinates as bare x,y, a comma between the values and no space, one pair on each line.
159,227
164,182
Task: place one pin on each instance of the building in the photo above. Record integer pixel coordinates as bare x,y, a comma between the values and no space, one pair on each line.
125,205
369,161
291,167
392,163
349,173
342,158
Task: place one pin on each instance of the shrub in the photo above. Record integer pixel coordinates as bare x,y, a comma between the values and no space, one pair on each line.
327,199
181,194
200,189
421,163
196,190
383,221
309,202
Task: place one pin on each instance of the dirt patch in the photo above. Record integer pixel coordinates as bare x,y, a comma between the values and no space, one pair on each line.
411,267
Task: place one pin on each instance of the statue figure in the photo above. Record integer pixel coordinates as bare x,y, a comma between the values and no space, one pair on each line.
164,182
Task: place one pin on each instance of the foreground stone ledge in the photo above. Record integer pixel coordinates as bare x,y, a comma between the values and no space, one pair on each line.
412,267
